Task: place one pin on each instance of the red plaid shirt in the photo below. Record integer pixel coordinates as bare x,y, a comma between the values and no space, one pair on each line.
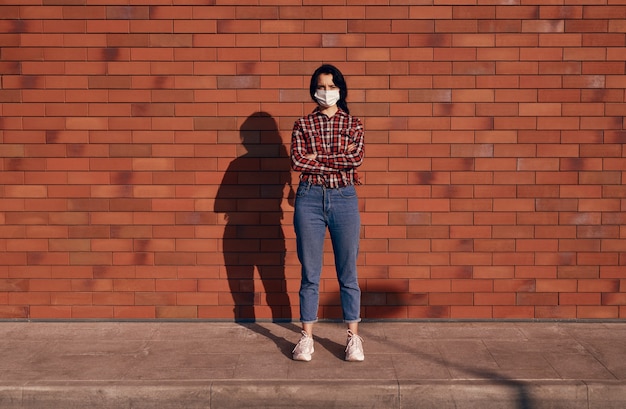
329,138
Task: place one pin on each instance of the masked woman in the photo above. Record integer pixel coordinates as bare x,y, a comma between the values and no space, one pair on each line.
327,147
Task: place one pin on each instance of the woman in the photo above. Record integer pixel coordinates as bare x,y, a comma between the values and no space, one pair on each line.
327,147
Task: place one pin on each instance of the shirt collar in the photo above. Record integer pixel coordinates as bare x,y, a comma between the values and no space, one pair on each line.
340,112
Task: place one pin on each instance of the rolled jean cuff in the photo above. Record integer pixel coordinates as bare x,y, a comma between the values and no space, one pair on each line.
352,321
308,322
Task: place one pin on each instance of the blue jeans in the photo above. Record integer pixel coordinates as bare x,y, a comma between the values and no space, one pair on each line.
316,209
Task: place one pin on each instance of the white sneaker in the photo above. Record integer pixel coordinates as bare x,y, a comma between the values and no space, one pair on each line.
354,348
304,348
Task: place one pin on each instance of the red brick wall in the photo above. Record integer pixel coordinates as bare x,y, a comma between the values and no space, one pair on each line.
144,156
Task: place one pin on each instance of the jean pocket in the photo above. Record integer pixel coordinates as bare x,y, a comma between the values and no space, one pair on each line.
303,189
348,191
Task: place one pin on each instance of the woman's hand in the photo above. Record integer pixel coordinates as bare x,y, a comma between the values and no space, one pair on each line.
351,148
311,156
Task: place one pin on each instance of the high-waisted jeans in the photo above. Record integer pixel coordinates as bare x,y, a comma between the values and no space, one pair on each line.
318,208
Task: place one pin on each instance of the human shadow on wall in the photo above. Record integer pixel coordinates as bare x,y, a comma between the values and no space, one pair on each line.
250,196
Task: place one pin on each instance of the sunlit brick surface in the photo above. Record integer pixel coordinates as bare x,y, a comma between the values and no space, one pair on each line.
145,169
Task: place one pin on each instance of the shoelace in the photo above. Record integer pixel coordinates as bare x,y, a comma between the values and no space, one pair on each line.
352,340
304,342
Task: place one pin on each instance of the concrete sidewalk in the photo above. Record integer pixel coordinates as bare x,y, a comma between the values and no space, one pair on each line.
216,365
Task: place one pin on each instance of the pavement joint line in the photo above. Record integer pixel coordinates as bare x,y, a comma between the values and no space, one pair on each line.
243,393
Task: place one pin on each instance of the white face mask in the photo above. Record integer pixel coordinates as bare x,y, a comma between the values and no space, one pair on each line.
327,98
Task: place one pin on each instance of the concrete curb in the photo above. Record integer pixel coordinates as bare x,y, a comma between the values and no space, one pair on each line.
325,394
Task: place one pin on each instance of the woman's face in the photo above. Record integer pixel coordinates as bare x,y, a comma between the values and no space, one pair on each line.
325,82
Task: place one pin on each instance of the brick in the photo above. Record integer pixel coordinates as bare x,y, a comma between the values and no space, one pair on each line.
563,12
450,299
513,312
492,164
589,272
472,286
599,286
537,299
580,298
130,312
428,312
39,298
508,95
613,298
562,312
7,285
13,312
494,299
176,312
595,312
494,219
461,312
43,312
560,286
92,312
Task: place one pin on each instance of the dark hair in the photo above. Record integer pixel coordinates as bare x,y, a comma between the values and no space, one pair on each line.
337,79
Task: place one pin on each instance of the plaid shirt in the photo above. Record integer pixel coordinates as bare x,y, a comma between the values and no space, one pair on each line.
329,138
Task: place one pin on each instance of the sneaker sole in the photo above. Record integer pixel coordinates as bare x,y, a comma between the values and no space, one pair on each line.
302,357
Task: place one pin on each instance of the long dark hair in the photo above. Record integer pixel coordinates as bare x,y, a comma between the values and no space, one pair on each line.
337,79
